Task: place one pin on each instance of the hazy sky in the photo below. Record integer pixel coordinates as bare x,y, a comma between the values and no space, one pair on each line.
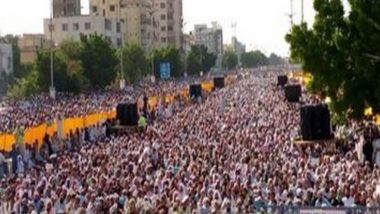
261,24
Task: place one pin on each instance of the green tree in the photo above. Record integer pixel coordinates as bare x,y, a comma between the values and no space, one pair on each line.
253,59
200,60
136,64
274,59
230,60
171,54
25,86
98,59
339,52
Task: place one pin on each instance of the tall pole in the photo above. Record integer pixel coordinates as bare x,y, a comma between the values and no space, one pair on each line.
122,80
291,12
302,10
52,90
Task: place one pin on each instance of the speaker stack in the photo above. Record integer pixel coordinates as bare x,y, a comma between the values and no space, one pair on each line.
219,82
282,80
195,91
293,93
127,114
315,122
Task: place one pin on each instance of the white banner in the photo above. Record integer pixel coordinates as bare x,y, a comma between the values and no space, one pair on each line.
319,211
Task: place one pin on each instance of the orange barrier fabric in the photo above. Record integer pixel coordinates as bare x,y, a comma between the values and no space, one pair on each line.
72,124
6,142
207,86
153,102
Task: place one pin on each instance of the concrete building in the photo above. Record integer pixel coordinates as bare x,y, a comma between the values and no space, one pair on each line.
135,14
237,47
29,44
70,28
169,15
212,38
6,58
188,41
63,8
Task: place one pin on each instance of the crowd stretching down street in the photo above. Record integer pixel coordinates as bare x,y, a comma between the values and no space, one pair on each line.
231,152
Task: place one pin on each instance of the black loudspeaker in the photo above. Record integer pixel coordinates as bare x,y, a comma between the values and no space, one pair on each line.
293,93
315,122
127,114
195,91
219,82
282,80
306,122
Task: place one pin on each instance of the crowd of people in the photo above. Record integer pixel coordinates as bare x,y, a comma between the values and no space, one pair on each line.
39,109
231,152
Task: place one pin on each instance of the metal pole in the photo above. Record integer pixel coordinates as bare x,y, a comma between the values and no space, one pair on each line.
291,12
52,90
122,80
302,10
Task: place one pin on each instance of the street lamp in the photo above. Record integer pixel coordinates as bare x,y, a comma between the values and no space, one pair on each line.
152,12
122,80
51,89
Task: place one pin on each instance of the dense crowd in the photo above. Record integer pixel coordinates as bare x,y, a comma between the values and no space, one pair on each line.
39,109
231,152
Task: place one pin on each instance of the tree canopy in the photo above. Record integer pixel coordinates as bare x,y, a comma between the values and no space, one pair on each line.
342,54
253,59
230,60
99,60
199,59
171,54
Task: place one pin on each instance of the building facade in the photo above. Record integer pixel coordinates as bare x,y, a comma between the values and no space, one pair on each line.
63,8
237,47
212,38
70,28
135,14
169,16
29,44
6,58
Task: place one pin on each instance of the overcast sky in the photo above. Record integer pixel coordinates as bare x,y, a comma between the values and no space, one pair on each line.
261,24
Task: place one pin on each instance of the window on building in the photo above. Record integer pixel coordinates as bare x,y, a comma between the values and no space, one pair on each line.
170,16
75,26
104,1
104,12
51,27
162,5
163,39
112,8
163,17
118,42
87,26
170,5
107,24
94,9
65,27
9,63
170,28
118,27
163,28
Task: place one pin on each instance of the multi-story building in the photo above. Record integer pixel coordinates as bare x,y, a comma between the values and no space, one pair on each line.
6,58
70,28
29,44
169,16
237,47
212,38
135,14
188,41
62,8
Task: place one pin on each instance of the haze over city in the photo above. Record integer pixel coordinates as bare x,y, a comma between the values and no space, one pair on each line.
261,24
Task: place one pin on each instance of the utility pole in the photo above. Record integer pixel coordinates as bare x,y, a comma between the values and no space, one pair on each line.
291,14
302,11
122,80
52,89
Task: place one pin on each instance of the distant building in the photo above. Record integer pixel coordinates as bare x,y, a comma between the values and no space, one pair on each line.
135,14
169,16
212,38
6,58
64,8
188,41
70,28
29,44
238,48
